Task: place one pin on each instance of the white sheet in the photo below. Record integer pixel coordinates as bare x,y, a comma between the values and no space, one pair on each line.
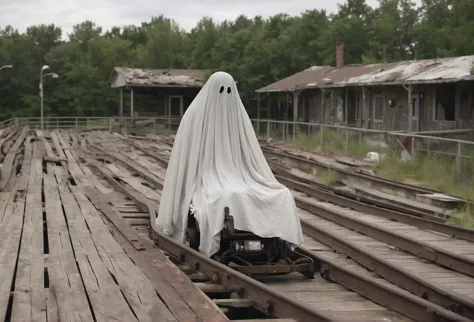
216,162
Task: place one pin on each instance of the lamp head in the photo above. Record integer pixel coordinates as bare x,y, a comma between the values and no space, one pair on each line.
44,67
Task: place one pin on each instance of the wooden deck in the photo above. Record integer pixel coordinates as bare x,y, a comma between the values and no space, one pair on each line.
61,259
333,299
444,278
75,211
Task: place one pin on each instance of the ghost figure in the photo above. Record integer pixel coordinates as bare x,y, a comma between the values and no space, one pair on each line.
216,162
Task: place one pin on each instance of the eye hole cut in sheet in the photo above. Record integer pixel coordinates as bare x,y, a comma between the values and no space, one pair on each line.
217,162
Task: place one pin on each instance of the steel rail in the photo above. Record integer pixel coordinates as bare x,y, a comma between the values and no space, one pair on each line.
416,247
391,297
279,170
274,303
422,223
381,181
392,272
432,224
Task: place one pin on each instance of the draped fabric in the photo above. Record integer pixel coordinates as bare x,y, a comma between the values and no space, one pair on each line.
216,162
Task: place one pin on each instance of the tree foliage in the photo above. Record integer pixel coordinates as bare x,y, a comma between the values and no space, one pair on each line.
255,51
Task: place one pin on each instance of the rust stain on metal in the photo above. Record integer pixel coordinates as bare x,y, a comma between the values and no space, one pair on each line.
405,72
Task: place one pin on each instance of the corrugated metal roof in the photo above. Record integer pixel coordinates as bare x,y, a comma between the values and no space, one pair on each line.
137,77
406,72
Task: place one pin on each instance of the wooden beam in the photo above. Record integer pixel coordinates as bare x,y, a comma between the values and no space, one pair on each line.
132,107
234,302
211,288
121,102
98,199
51,158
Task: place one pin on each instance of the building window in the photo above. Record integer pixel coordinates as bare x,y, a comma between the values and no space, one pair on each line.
465,105
445,103
378,108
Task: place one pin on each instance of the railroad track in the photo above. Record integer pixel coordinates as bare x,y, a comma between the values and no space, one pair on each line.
369,189
401,195
389,270
332,266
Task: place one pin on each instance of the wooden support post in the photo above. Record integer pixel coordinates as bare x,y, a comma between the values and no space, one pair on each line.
410,110
362,112
286,119
458,158
131,105
346,108
258,114
295,112
347,140
321,118
121,102
322,137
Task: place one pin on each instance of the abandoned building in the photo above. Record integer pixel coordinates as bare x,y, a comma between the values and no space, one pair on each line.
163,93
419,95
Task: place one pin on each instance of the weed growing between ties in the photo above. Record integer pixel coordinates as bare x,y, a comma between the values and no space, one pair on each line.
437,173
430,171
335,142
331,177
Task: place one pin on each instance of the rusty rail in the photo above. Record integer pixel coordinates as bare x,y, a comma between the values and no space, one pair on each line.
282,172
392,272
274,303
390,297
409,190
422,223
416,247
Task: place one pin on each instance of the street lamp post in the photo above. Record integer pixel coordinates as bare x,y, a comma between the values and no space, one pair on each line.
6,66
54,75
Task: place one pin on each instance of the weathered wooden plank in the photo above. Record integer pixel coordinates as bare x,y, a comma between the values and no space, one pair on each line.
66,285
124,175
117,220
29,300
7,166
158,182
22,182
411,264
105,295
4,147
10,231
63,149
143,204
134,286
4,202
139,222
180,295
175,289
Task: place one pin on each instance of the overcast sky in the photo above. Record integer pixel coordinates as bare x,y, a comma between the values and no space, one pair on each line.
108,13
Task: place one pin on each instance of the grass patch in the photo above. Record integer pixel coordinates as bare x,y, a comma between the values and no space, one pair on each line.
463,218
434,172
334,142
331,177
437,172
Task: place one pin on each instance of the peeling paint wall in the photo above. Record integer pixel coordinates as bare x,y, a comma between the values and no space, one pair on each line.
394,117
